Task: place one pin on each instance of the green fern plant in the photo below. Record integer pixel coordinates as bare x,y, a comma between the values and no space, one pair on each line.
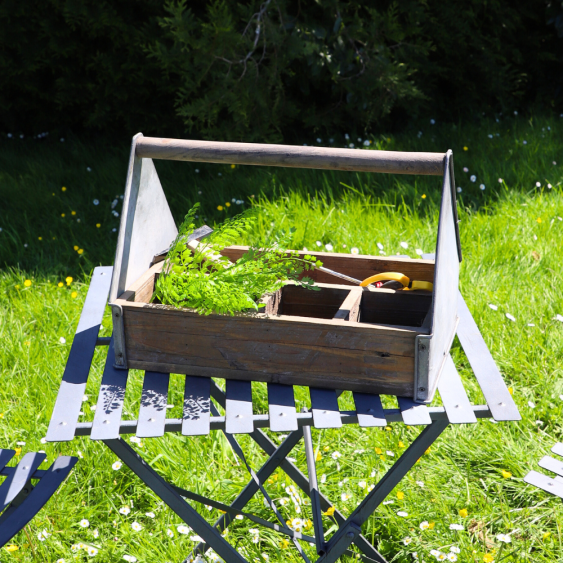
203,280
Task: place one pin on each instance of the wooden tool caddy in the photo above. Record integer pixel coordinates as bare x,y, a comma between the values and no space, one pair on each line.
340,337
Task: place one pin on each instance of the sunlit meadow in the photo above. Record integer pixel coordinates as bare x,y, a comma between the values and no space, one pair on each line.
465,500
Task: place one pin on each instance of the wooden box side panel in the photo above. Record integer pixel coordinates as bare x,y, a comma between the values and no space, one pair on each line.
359,267
298,351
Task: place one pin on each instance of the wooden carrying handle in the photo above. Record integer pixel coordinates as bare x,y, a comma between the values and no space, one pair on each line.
391,162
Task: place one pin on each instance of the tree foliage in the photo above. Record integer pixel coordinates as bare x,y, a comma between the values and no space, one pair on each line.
272,69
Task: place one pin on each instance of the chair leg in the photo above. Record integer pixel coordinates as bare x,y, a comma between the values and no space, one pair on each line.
314,491
165,491
350,529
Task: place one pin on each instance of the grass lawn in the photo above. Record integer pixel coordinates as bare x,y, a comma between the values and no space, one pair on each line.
57,219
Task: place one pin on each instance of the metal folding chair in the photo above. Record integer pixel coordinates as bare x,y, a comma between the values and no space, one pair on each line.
553,485
200,417
20,500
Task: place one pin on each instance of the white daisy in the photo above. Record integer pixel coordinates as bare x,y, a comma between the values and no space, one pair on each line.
169,533
149,514
407,540
130,558
402,514
136,526
116,465
457,527
336,455
424,525
354,250
493,307
84,523
92,551
183,530
404,245
473,178
455,549
124,510
505,538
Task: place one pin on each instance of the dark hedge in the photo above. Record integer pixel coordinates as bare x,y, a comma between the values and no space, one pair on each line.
271,70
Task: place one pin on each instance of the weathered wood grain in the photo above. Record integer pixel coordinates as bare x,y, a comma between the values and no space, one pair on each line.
297,342
350,308
294,351
356,266
391,162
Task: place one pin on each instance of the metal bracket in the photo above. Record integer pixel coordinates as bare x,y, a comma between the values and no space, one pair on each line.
118,337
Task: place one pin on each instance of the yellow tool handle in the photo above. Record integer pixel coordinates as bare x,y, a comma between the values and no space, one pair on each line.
427,286
387,276
401,278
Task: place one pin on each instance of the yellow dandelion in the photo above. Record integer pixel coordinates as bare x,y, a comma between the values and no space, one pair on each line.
428,450
546,535
39,238
220,207
401,445
538,219
1,415
98,225
80,251
11,548
463,513
382,457
68,279
73,212
27,283
284,544
27,342
227,204
233,166
400,495
60,284
388,428
62,214
17,286
63,189
75,247
431,525
326,449
511,390
488,558
329,511
319,456
423,196
506,474
18,451
74,294
465,149
378,451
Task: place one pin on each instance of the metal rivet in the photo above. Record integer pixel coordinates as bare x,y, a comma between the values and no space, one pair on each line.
62,423
501,404
457,406
24,467
370,410
324,412
106,421
550,484
239,416
422,388
282,414
350,535
152,420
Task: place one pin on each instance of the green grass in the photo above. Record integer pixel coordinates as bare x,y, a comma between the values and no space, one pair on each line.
511,260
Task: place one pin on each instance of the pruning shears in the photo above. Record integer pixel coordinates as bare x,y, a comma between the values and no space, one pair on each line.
385,279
